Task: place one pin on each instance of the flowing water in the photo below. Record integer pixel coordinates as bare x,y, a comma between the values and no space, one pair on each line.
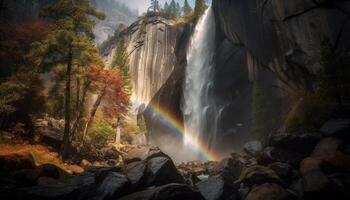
197,106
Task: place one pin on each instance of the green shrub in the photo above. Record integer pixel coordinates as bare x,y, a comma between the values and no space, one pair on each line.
101,133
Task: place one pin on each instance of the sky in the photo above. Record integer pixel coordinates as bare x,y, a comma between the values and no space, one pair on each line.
142,5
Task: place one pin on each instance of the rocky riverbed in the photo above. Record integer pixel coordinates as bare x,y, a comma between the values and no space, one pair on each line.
304,166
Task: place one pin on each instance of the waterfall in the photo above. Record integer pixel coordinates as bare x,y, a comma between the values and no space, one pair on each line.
197,106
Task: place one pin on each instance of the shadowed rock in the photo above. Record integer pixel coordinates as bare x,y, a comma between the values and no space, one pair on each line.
269,191
166,192
216,188
161,170
113,186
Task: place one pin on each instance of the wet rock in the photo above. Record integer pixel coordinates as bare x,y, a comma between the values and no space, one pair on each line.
49,170
314,181
302,143
273,154
247,161
136,173
85,182
216,188
113,186
101,173
309,164
269,191
49,193
197,168
161,170
253,148
50,131
143,153
230,168
283,170
192,180
14,162
47,181
327,150
26,176
338,128
257,175
167,192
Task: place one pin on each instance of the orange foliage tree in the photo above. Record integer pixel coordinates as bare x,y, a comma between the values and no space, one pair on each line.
109,87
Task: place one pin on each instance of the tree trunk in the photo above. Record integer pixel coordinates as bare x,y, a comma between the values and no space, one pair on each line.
78,94
66,143
80,109
93,112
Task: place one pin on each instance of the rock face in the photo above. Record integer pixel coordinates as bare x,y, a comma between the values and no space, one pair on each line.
151,43
282,37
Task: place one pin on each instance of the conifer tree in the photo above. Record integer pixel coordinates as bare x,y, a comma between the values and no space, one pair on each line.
121,61
72,34
187,9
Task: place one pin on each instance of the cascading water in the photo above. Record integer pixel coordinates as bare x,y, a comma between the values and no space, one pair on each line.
197,106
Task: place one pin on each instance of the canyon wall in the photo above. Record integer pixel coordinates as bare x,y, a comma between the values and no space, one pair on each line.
151,43
275,44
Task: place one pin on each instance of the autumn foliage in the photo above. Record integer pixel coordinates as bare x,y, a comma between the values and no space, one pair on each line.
111,86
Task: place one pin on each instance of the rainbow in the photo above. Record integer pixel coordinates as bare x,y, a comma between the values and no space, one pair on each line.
179,128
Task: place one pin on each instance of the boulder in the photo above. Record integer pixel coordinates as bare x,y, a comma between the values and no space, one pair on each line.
161,170
216,188
113,186
314,181
143,153
283,170
66,192
309,164
247,161
14,162
136,173
258,175
27,176
339,128
101,173
274,154
47,181
253,148
50,131
327,150
49,170
302,143
172,191
269,191
230,168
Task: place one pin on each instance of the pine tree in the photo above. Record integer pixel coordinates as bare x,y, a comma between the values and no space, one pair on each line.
199,9
178,10
187,9
121,60
172,9
72,33
166,7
